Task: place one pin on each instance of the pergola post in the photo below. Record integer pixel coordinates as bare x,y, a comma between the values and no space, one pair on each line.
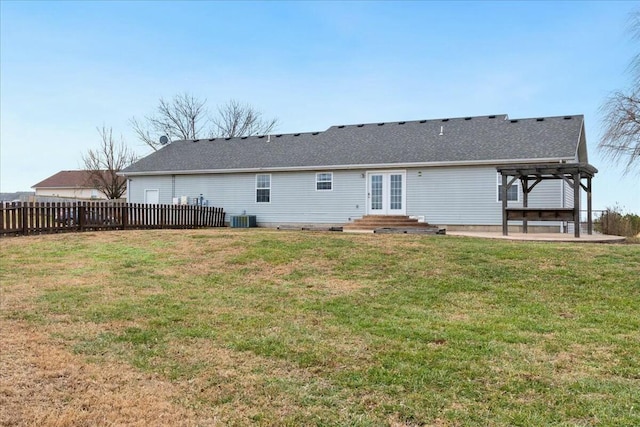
576,204
503,195
589,207
525,202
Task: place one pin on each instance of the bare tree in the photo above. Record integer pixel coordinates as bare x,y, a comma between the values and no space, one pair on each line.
237,119
620,141
183,117
104,163
186,117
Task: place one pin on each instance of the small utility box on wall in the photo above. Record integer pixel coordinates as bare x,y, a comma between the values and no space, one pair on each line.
243,221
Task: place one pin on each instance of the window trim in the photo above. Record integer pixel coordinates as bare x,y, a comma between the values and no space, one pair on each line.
330,181
499,184
262,188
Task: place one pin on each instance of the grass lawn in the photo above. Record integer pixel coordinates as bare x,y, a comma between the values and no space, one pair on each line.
264,327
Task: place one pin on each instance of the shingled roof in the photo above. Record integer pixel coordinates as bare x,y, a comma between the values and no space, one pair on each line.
464,140
67,179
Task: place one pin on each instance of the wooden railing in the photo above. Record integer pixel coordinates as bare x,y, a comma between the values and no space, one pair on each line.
35,218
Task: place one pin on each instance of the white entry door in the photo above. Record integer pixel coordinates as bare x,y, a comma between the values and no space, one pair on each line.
386,193
152,197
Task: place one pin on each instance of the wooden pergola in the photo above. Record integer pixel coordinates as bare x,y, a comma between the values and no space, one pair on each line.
530,175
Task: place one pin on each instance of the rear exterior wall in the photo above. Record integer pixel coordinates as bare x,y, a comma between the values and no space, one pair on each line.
469,195
442,195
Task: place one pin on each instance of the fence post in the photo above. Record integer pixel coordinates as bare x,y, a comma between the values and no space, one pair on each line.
35,213
2,224
25,222
124,214
81,210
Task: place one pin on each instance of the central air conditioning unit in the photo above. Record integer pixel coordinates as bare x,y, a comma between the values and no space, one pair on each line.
243,221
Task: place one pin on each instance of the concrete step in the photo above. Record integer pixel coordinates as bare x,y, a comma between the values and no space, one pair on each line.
372,222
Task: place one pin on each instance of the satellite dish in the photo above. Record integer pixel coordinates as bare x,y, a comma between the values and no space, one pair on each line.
164,140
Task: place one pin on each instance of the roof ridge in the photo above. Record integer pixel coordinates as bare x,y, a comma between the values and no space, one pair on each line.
402,122
230,138
549,117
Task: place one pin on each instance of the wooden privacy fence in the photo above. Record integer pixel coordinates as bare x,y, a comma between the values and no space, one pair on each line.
34,218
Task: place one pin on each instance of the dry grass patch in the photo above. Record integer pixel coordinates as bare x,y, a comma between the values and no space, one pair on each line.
236,387
44,384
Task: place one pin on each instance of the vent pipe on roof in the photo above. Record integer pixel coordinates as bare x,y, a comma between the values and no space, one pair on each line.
268,138
441,130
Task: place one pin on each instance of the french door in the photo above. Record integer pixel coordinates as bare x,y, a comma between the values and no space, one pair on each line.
386,193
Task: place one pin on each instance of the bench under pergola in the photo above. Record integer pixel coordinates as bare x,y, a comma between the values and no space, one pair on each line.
530,175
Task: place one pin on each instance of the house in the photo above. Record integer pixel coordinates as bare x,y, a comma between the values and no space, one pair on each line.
75,184
442,171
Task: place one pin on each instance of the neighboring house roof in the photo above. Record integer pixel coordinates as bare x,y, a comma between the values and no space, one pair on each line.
67,179
464,140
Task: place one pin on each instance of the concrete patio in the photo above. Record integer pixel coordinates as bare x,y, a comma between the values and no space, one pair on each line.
541,237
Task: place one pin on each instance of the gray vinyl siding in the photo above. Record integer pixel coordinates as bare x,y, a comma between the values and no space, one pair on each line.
138,185
568,202
467,195
293,198
568,195
455,195
547,194
443,195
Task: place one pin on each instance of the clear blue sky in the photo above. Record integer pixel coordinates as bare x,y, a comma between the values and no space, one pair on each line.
68,67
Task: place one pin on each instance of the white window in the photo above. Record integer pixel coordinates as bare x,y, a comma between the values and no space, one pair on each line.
263,188
513,193
324,181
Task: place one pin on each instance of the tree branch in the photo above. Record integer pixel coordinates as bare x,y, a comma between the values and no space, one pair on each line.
620,142
186,117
